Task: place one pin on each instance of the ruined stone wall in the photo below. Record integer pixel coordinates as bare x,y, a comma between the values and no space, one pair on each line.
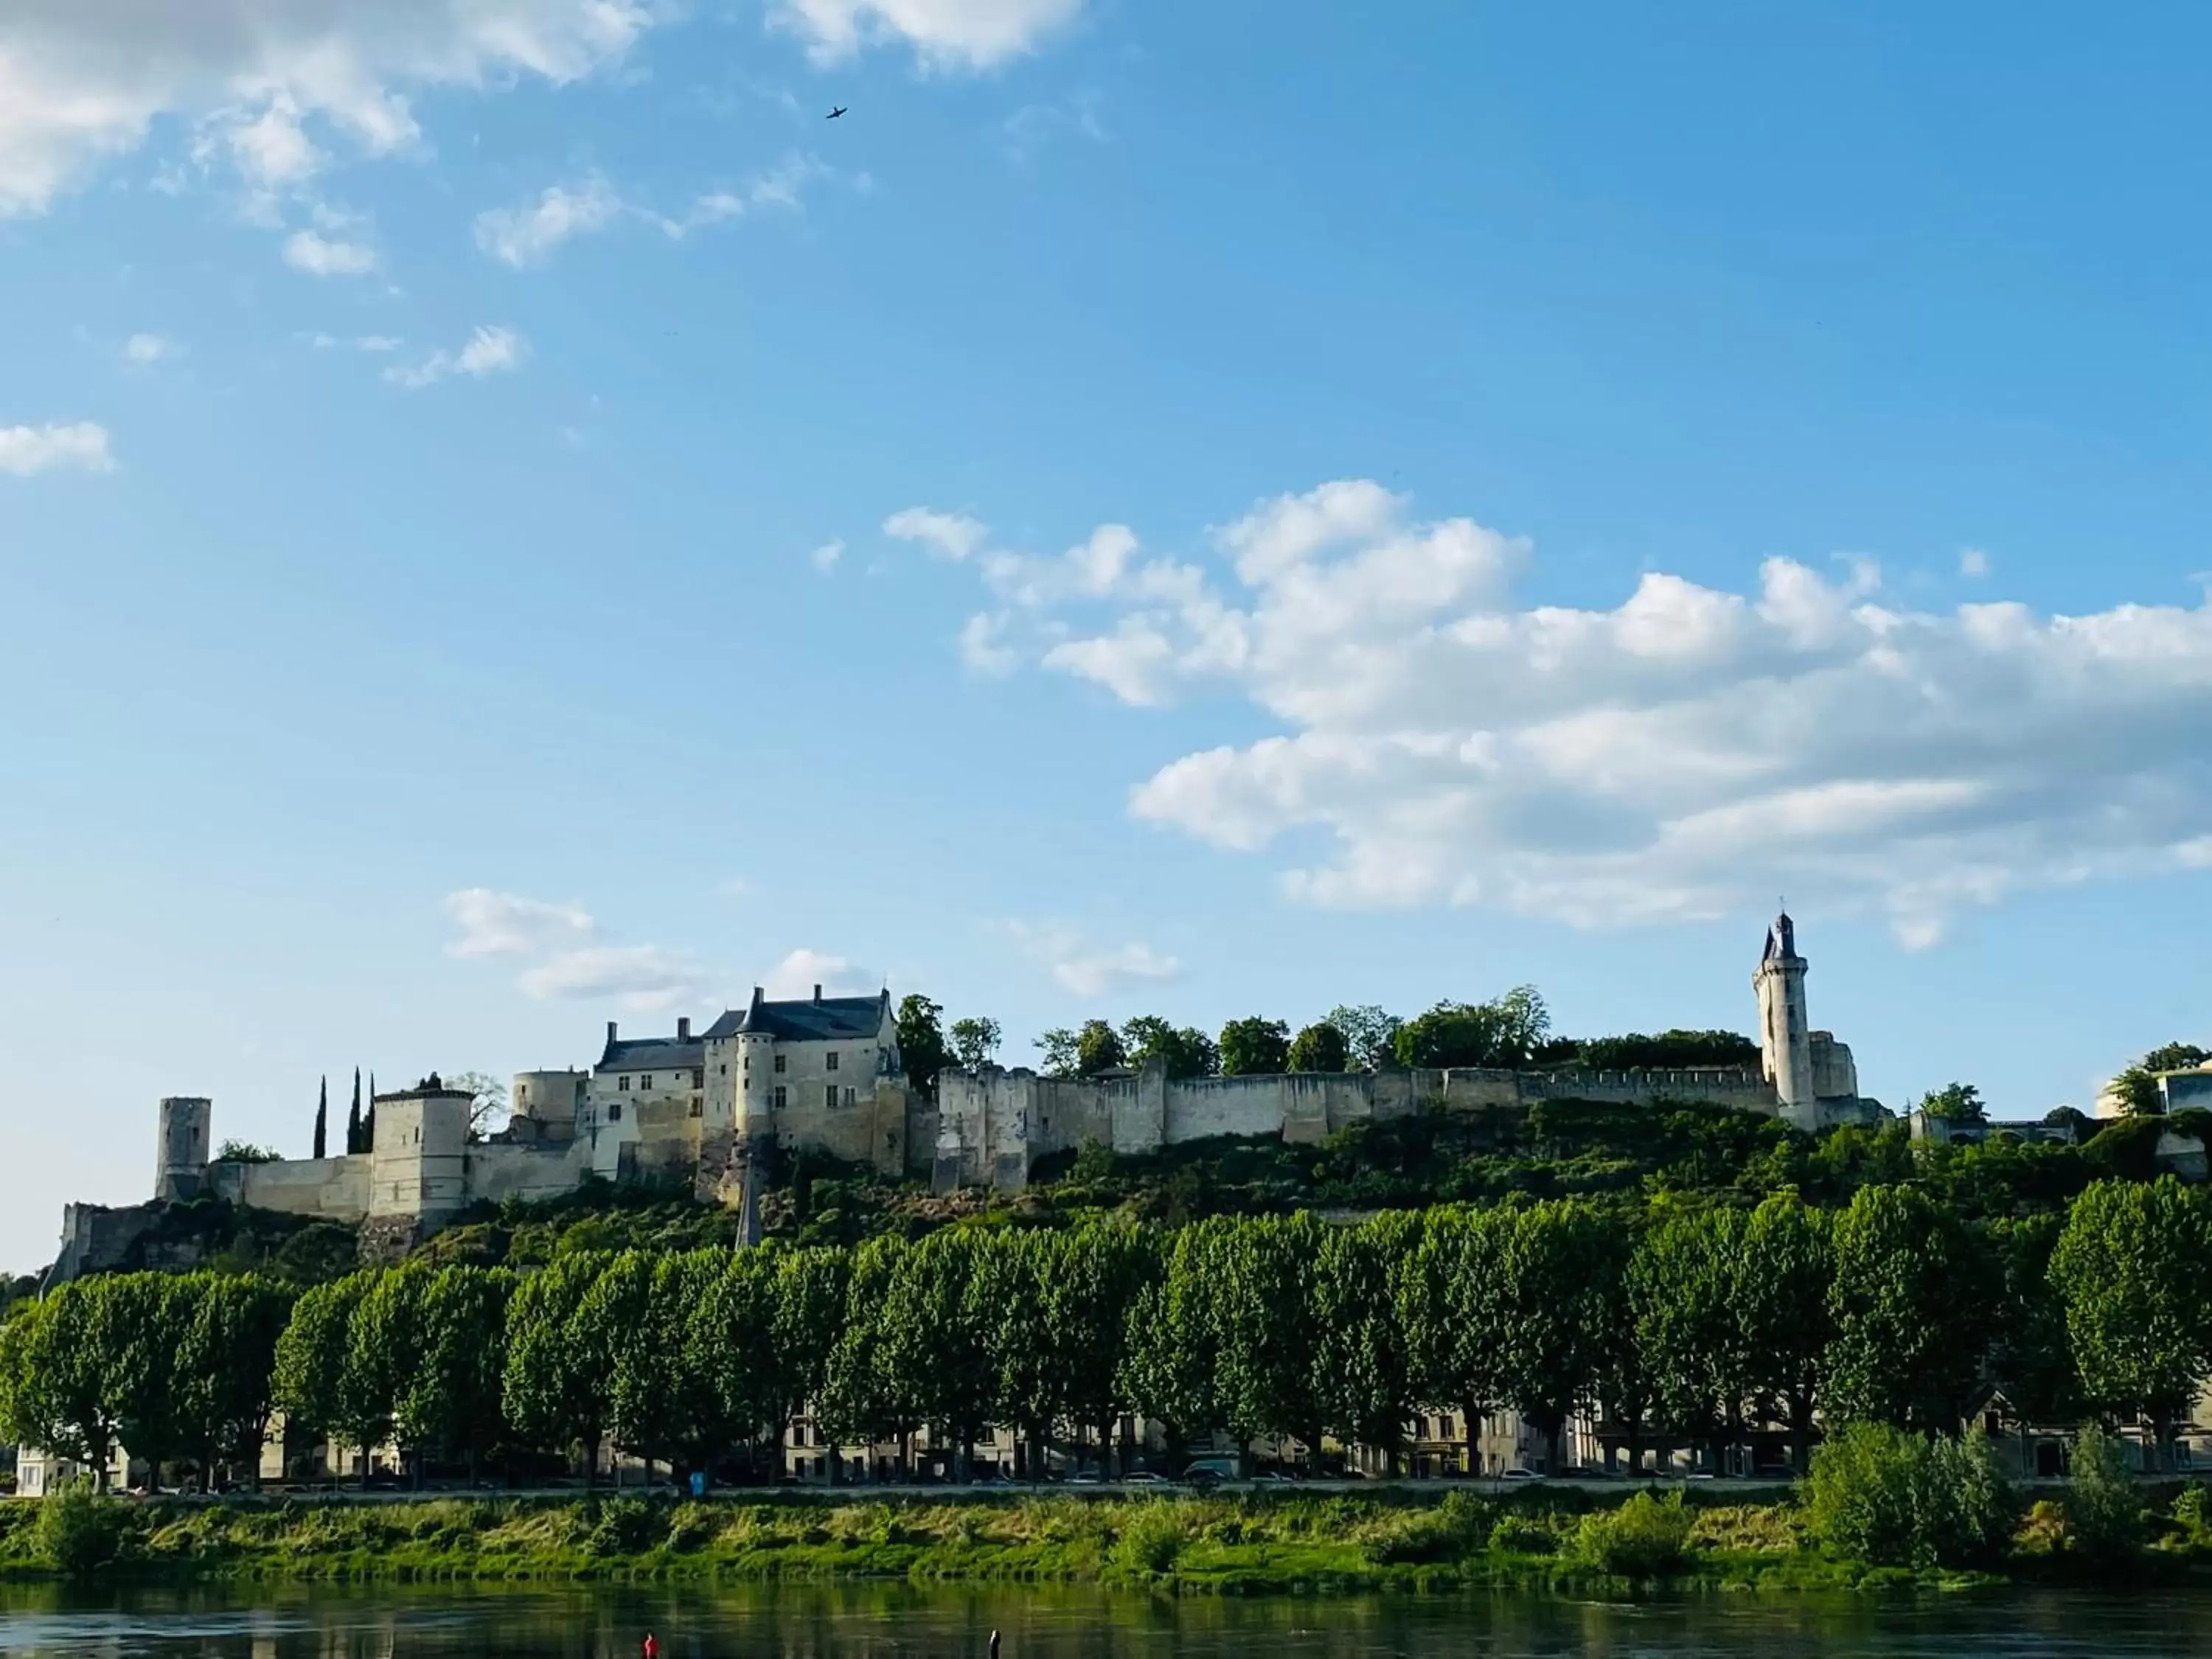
990,1128
529,1175
327,1188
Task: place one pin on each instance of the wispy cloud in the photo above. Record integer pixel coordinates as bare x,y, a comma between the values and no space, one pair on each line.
144,350
799,973
522,236
1973,561
317,255
495,924
488,351
825,558
950,535
25,450
1088,969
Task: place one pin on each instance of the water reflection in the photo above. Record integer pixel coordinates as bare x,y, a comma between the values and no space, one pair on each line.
902,1622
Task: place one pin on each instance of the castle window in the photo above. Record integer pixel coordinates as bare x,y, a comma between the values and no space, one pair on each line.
832,1060
779,1060
622,1083
776,1101
699,1078
614,1112
645,1082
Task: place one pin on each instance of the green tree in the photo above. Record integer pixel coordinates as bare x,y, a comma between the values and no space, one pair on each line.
614,1322
1781,1294
975,1042
1187,1051
1682,1284
559,1386
1096,1047
1562,1262
2031,1360
226,1363
1319,1047
1364,1367
936,1338
383,1359
323,1119
452,1403
1267,1340
1505,1031
2175,1057
1894,1499
1007,1291
61,1398
1101,1269
1911,1300
1255,1048
311,1357
730,1351
2131,1264
141,1317
1370,1035
353,1141
2104,1505
921,1042
869,1393
667,1403
1451,1299
1956,1103
2137,1088
1171,1362
811,1296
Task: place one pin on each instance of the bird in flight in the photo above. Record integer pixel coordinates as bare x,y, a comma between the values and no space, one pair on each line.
838,111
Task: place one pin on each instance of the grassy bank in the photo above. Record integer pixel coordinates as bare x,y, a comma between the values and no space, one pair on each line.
1229,1544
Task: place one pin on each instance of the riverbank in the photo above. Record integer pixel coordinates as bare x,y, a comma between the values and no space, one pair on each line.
1241,1545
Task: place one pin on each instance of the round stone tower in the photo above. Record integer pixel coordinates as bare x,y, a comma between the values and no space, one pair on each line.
1785,1036
181,1157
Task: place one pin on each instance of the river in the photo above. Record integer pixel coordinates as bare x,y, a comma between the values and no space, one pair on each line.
881,1622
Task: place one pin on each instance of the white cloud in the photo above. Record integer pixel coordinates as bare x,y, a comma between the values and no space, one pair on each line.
83,81
950,534
1088,969
798,974
1973,561
493,924
639,976
488,351
374,343
1031,130
25,450
1686,753
947,34
825,558
143,350
982,647
317,255
527,235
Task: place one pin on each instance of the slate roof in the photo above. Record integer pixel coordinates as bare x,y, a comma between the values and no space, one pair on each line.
1781,940
821,1020
654,1054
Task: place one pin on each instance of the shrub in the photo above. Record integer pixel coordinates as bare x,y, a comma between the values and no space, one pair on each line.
1517,1535
1644,1537
1152,1538
625,1526
2104,1509
79,1531
2192,1514
1889,1498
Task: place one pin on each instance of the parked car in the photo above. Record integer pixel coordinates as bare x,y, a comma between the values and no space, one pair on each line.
1522,1474
1146,1478
1271,1477
1201,1479
1088,1477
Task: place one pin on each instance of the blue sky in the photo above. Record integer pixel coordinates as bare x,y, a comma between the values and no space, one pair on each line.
509,519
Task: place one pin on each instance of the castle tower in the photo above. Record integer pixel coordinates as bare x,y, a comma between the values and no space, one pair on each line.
418,1168
1785,1036
181,1157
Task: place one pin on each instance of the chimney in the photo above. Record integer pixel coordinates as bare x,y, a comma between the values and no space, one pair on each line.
817,994
683,1029
610,1034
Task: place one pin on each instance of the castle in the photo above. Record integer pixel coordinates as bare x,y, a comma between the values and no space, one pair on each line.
701,1109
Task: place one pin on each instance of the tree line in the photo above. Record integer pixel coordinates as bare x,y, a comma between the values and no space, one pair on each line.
1677,1325
1513,1030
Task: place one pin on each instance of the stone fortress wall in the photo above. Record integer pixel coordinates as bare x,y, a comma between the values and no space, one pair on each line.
825,1075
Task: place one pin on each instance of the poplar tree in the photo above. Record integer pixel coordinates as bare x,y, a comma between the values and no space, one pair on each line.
322,1118
353,1117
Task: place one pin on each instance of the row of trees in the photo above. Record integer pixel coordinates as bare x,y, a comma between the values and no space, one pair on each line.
1512,1030
1679,1325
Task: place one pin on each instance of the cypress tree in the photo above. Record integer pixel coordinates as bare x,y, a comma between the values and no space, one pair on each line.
368,1118
323,1118
353,1117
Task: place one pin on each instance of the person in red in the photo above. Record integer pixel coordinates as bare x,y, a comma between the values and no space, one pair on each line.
652,1647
